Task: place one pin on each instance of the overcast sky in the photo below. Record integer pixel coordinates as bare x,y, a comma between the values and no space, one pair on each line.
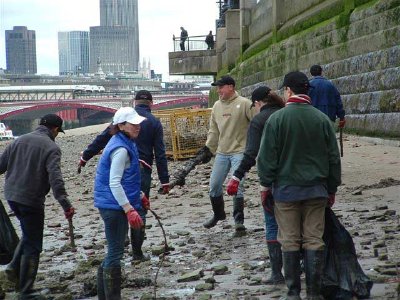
158,21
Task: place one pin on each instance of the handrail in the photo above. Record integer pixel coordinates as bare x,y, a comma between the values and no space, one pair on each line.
193,42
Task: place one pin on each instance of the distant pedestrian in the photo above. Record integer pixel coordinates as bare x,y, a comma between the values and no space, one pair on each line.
299,164
210,41
118,197
184,36
266,103
325,96
230,118
32,166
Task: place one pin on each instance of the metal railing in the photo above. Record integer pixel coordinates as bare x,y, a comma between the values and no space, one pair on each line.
192,43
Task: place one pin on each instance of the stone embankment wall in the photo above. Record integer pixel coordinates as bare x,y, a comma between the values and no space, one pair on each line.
356,41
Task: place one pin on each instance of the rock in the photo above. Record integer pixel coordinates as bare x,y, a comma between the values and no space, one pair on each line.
204,297
219,270
209,279
204,287
357,192
191,276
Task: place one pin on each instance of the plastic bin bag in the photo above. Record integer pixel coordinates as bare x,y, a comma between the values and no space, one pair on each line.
343,276
8,237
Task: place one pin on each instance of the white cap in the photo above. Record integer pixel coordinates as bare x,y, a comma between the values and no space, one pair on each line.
127,114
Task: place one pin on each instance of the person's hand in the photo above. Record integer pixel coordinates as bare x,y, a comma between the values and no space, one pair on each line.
342,123
134,220
267,200
69,213
232,186
81,164
331,200
145,201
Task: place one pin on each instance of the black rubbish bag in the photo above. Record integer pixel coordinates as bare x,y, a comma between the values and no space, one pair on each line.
8,237
343,276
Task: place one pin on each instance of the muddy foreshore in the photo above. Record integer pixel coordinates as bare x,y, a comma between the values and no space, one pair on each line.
224,266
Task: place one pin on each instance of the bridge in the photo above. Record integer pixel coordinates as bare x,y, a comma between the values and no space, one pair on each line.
20,110
33,105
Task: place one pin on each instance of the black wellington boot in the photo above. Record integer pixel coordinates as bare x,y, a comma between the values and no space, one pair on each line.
27,276
12,269
112,283
238,213
275,258
219,212
137,238
314,266
100,284
291,267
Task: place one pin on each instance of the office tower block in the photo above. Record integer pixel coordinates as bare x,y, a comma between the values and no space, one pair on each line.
73,52
21,50
114,45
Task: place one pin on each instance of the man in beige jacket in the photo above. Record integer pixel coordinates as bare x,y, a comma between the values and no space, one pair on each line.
230,118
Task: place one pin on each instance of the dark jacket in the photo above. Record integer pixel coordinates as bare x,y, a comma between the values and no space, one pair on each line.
254,134
299,148
150,143
32,163
325,96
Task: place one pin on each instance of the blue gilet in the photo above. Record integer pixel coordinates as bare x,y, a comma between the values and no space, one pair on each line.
103,197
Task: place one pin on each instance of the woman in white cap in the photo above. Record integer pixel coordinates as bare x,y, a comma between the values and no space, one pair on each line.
118,197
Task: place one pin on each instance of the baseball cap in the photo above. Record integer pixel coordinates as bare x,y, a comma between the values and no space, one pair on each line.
224,80
143,95
295,79
52,120
127,114
260,93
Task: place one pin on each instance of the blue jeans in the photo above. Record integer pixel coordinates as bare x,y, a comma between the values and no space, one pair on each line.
223,165
32,224
271,227
116,229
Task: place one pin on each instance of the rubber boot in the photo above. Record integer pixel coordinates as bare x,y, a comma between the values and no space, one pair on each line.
291,267
275,258
112,283
238,213
12,269
137,239
100,284
219,212
28,271
314,266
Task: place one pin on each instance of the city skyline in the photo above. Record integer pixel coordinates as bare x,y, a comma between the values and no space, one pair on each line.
158,21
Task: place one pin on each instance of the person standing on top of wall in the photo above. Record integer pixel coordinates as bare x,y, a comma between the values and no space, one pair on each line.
325,96
210,41
184,36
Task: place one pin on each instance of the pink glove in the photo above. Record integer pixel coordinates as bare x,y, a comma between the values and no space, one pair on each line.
145,201
331,200
134,220
342,123
267,201
69,213
233,186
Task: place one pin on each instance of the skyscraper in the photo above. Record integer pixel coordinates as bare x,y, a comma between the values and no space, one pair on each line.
21,50
73,52
115,43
